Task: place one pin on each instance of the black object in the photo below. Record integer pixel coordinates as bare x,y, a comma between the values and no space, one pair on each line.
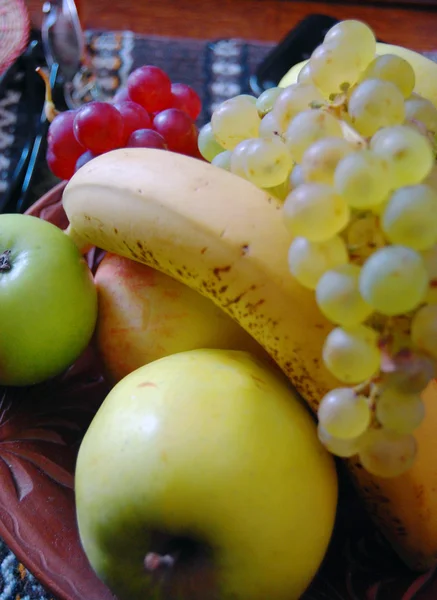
34,122
296,46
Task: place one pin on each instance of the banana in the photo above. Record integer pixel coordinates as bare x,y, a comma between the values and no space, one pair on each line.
225,238
213,231
425,70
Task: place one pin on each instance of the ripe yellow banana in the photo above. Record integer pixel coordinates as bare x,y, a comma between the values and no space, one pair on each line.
225,238
213,231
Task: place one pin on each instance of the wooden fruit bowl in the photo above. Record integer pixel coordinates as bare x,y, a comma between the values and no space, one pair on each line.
40,431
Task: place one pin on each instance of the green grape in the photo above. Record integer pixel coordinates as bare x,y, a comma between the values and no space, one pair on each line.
293,100
344,448
223,160
419,127
363,179
393,68
410,217
412,373
409,153
267,162
394,280
424,330
363,236
247,97
331,67
315,211
308,127
374,104
385,453
423,110
379,209
305,74
352,355
235,120
351,33
238,158
398,411
296,177
338,296
321,158
280,191
208,145
269,128
343,413
308,261
267,99
431,179
430,261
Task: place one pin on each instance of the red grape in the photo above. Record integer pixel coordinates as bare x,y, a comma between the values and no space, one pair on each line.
150,87
194,149
99,127
60,137
146,138
134,117
178,130
83,159
185,98
60,166
121,96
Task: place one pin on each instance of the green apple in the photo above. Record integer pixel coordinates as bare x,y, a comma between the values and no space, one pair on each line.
201,477
48,300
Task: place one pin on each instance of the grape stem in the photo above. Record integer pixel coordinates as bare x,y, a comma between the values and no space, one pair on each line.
49,107
374,391
337,109
361,387
353,136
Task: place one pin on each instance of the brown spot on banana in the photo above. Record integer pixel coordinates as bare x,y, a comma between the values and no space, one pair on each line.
219,270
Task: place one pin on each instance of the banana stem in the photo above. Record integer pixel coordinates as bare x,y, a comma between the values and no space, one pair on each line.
49,107
83,245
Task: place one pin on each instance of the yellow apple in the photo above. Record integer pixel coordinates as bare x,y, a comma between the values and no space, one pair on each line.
201,477
424,68
145,315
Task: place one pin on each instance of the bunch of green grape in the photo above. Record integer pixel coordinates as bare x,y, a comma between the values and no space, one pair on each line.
350,150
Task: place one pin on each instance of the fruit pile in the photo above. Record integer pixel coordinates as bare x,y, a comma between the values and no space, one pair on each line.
350,149
328,277
149,112
170,469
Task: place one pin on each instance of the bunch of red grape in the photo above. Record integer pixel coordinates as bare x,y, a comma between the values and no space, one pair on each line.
150,112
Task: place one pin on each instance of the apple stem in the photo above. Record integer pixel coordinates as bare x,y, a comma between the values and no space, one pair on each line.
5,263
154,562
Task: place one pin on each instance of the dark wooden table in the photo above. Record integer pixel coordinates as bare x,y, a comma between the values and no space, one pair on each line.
411,23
